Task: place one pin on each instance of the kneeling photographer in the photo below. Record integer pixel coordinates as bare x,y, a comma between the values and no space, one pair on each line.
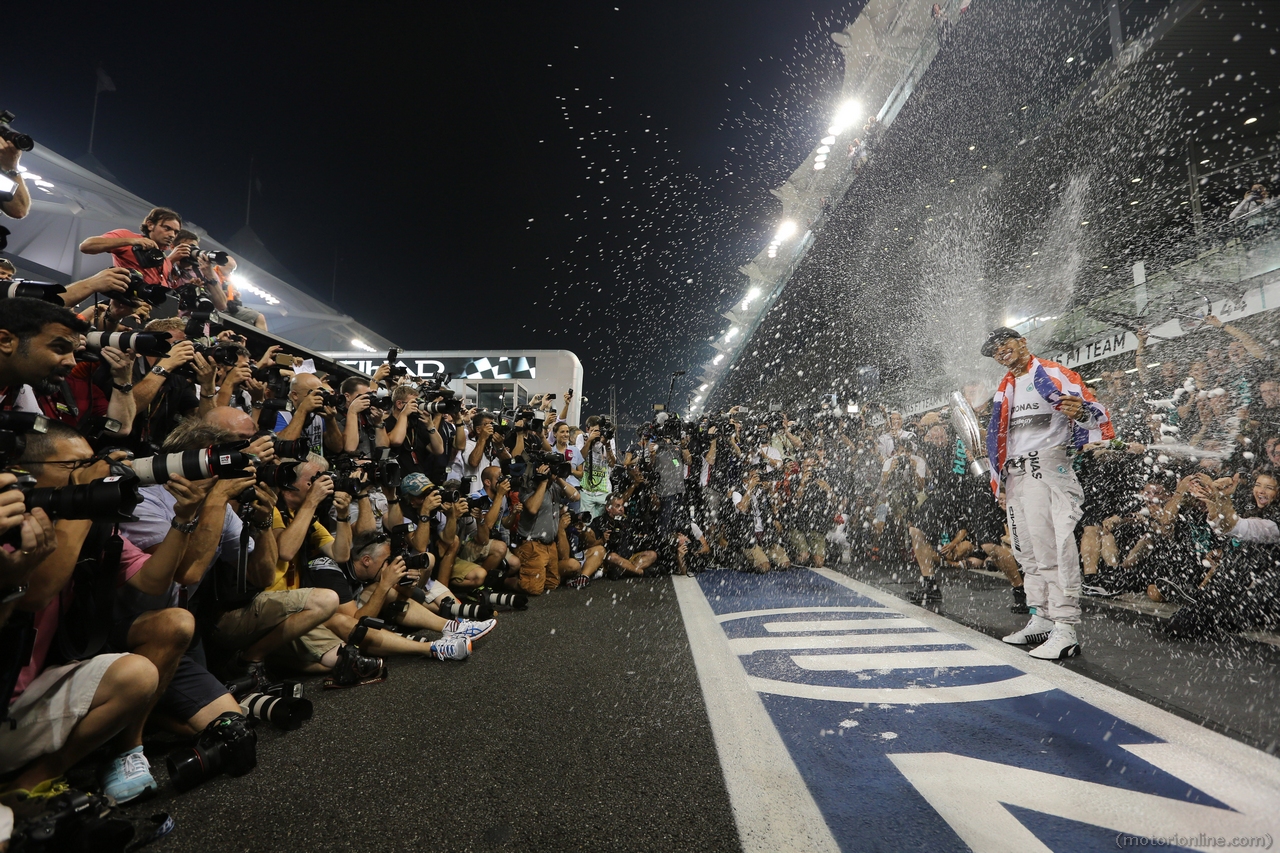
545,492
614,532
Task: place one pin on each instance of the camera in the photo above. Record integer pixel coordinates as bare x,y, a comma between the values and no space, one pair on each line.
18,140
227,744
148,258
278,475
447,406
75,820
14,427
556,461
142,343
296,448
606,429
226,355
285,712
333,400
138,289
112,498
394,369
224,460
21,288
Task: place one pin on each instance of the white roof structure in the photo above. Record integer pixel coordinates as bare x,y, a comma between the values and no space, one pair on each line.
70,203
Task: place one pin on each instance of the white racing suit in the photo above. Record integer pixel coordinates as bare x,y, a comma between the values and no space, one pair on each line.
1043,504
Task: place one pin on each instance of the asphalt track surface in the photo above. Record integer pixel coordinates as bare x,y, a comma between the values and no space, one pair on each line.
581,724
576,725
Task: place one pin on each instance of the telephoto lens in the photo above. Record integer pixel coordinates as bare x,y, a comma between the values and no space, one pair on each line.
452,608
292,448
284,712
227,744
109,499
32,290
142,343
514,600
278,475
224,460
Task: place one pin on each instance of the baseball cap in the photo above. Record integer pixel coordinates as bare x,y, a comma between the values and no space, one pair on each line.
997,337
415,484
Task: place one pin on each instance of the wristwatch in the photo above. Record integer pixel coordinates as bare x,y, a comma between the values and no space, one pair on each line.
13,175
123,389
13,593
189,527
159,371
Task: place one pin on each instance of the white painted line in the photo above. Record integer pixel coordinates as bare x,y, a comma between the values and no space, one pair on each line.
772,806
782,611
894,621
1022,685
1250,768
751,645
895,660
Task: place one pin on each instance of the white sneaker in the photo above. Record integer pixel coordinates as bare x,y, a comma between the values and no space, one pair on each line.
1062,643
1035,632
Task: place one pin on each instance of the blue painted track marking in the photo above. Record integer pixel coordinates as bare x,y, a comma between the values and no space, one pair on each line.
908,731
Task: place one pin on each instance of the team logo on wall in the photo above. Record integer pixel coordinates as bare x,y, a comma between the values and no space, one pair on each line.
500,368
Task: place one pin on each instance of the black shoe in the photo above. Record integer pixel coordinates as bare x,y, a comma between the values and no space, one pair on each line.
246,677
926,590
354,667
1176,592
1019,601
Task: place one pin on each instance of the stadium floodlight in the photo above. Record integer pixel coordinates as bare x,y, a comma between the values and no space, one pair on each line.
847,114
361,345
719,358
828,140
825,149
697,399
704,386
819,166
785,230
821,158
244,284
728,336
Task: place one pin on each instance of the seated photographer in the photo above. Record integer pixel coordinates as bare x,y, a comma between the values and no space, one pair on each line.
543,495
753,527
375,584
806,511
235,305
143,252
308,417
614,535
693,551
362,425
481,551
66,675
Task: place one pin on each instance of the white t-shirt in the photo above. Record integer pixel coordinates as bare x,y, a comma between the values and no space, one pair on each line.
887,441
1033,423
461,469
766,453
573,456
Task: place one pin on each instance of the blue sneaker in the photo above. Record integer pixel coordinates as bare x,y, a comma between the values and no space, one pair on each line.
471,629
128,777
451,648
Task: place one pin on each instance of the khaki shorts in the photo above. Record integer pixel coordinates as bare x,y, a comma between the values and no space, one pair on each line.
761,556
472,553
809,542
539,567
42,718
307,649
238,629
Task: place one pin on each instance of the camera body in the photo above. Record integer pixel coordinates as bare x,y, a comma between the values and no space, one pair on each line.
228,744
148,258
560,468
138,289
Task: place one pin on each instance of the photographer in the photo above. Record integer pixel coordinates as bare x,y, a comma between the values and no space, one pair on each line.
37,344
164,386
370,586
480,451
670,460
72,622
599,455
752,527
613,531
20,205
1253,202
544,495
143,252
362,424
413,437
191,269
35,541
309,417
110,280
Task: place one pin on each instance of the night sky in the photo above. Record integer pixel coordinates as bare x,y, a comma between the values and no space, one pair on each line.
523,175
